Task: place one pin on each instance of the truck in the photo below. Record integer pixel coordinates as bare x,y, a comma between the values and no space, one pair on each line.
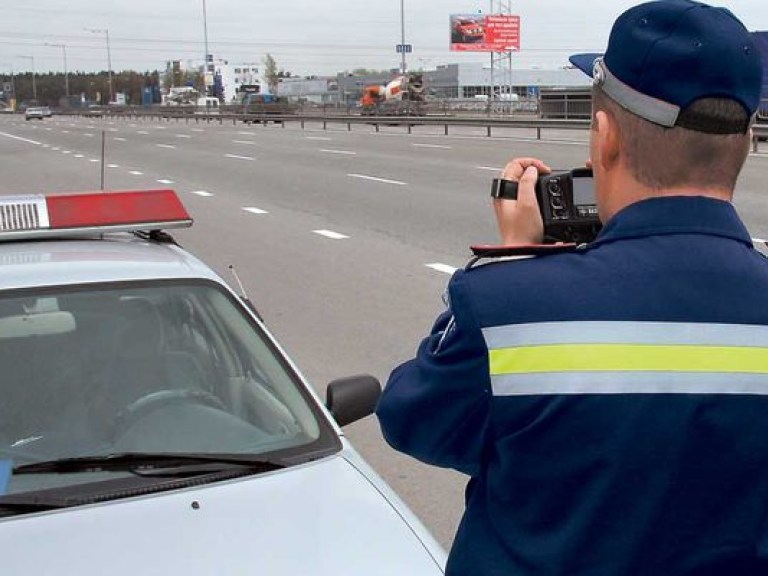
264,105
403,96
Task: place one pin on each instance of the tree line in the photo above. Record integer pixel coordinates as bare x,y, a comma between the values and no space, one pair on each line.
84,87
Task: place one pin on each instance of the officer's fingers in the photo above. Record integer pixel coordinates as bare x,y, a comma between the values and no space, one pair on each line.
526,192
515,168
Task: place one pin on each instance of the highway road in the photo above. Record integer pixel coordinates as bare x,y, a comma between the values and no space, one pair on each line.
344,239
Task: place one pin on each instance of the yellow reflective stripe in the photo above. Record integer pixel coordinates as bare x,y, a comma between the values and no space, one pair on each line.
627,357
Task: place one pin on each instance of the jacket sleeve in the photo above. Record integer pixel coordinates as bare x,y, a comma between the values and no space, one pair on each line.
436,406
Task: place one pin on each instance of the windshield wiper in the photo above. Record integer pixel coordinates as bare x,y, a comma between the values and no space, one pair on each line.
152,464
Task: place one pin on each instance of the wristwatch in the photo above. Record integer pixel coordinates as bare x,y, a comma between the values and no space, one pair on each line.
501,188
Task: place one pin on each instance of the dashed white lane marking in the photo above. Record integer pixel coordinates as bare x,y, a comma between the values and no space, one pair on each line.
253,210
345,152
440,146
247,133
46,145
88,135
236,157
142,132
170,146
165,181
113,165
375,179
491,168
94,160
136,173
243,142
331,234
65,131
66,152
56,149
27,140
202,193
120,139
183,136
197,130
159,127
321,138
79,156
444,268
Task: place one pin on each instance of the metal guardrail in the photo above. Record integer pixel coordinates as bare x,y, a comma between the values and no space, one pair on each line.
760,131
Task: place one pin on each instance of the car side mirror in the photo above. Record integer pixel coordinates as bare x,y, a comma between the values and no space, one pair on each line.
350,399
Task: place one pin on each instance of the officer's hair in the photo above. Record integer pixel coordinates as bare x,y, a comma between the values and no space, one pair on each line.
660,157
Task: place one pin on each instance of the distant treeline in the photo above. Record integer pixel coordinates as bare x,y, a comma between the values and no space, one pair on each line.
83,87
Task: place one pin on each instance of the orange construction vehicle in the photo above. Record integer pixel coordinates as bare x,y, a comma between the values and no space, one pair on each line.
403,96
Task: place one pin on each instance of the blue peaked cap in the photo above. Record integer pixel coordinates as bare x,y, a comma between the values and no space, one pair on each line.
664,55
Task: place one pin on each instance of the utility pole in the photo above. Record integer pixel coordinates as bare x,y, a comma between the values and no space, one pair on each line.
403,66
66,73
105,31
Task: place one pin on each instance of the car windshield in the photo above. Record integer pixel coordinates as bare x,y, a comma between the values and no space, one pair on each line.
163,368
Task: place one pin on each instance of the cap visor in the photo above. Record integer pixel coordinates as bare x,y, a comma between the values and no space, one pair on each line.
585,62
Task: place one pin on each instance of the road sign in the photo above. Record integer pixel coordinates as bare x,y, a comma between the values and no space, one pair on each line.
404,48
7,87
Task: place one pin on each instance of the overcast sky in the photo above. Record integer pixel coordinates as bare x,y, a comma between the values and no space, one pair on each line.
305,36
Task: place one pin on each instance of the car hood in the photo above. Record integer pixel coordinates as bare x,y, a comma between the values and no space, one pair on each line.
320,518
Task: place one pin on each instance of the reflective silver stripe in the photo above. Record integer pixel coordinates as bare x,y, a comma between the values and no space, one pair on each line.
648,107
660,333
564,383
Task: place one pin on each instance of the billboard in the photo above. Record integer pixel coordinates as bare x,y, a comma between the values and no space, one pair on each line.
485,33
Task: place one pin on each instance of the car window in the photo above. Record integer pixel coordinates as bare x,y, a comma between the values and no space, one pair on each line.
156,368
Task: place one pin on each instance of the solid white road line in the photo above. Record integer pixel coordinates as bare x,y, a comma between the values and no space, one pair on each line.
331,234
345,152
253,210
28,141
444,268
236,157
375,179
202,193
170,146
433,146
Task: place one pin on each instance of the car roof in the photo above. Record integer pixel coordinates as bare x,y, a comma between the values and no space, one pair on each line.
111,258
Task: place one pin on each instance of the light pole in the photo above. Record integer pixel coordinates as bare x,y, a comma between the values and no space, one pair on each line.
12,99
205,59
66,73
34,81
403,66
105,31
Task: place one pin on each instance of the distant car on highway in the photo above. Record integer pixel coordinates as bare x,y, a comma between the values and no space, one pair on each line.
37,112
152,424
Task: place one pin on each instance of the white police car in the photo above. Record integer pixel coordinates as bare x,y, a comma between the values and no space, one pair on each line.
149,424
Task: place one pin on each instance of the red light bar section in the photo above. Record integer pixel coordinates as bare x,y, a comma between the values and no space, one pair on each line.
99,209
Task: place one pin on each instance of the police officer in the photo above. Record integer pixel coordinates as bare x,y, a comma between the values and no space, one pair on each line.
611,404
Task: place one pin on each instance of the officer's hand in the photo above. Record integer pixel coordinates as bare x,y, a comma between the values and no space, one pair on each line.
519,220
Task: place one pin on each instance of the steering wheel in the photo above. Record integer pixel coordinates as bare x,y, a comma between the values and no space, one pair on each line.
143,406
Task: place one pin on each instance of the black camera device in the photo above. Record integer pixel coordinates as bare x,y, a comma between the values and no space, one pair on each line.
566,202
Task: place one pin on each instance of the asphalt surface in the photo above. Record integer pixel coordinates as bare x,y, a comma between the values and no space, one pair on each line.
344,239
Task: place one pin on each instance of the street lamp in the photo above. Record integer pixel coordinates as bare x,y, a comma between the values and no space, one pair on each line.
205,59
402,35
109,57
66,73
11,101
34,81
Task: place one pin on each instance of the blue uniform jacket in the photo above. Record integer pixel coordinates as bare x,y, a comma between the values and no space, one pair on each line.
610,404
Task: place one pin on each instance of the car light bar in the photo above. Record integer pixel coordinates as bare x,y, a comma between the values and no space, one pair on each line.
35,216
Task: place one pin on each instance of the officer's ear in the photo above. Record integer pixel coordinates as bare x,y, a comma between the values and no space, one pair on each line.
607,140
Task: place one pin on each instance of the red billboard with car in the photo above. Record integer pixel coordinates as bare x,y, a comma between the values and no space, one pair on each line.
485,33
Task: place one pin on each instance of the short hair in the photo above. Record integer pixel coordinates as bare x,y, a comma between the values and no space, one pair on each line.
660,157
